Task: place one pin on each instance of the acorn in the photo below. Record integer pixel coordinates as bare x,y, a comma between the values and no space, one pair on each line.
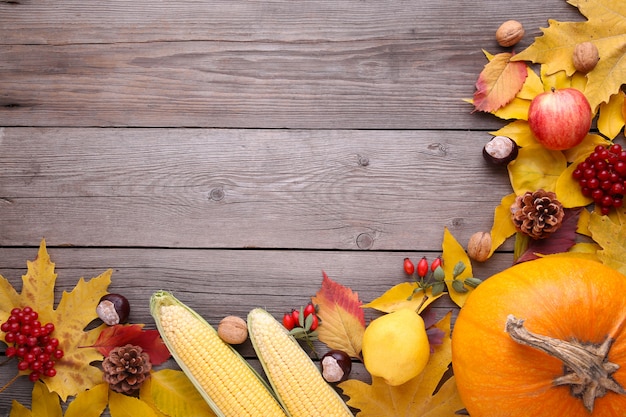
500,150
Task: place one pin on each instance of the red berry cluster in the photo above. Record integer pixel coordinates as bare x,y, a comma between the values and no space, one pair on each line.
422,266
602,176
305,318
31,343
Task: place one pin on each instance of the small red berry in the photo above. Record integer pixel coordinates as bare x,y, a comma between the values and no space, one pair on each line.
435,264
309,309
422,267
314,323
296,317
409,268
288,321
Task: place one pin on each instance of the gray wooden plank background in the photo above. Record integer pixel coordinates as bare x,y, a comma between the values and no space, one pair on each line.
231,151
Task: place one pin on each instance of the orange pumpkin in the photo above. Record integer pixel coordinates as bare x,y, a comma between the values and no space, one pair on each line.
571,322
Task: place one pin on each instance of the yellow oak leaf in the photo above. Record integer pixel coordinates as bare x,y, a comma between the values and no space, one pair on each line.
536,168
74,312
403,295
44,404
503,227
605,27
343,321
611,236
453,254
499,82
174,395
415,397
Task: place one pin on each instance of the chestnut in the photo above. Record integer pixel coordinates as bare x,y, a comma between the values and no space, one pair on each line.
336,366
500,150
113,309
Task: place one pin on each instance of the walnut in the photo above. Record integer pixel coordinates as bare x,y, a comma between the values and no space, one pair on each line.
509,33
585,57
479,246
233,330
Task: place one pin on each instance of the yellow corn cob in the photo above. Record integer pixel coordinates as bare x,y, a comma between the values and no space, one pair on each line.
225,380
296,380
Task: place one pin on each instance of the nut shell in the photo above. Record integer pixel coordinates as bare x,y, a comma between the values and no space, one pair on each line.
113,309
500,150
585,57
336,366
509,33
233,330
479,246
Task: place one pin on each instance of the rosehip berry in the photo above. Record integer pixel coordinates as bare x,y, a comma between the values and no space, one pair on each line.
422,267
435,264
409,268
296,317
309,309
288,321
314,323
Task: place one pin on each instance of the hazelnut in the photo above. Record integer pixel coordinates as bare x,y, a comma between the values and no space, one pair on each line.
113,309
336,366
585,57
500,150
509,33
233,330
479,246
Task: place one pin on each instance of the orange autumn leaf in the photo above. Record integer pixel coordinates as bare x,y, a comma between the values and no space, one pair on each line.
499,82
343,320
415,397
73,313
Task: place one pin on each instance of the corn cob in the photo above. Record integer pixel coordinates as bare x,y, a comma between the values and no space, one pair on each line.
296,380
224,379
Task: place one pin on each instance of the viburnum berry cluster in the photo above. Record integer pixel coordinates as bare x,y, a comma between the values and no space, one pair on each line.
602,176
31,343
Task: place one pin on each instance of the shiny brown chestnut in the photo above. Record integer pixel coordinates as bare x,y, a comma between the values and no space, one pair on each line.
113,309
336,366
500,150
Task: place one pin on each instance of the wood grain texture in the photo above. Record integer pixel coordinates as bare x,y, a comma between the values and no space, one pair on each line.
375,190
319,65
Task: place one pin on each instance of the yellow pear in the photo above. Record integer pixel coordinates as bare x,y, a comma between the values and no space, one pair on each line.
395,346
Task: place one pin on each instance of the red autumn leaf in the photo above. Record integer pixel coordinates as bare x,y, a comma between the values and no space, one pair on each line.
499,82
560,241
119,335
343,320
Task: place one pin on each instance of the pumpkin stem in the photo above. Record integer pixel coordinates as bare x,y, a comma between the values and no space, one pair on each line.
586,367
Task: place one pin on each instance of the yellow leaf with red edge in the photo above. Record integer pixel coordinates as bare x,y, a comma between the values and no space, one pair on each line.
536,168
90,403
415,397
121,405
611,236
453,253
343,320
605,27
611,117
499,82
503,227
174,395
74,312
403,295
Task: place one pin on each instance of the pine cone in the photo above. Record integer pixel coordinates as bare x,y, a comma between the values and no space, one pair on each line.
126,368
537,214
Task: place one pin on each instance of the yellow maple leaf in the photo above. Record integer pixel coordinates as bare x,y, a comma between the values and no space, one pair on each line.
536,168
503,227
415,397
74,312
611,236
453,253
611,115
605,28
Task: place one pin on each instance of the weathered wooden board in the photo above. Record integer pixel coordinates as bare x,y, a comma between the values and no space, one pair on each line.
351,64
380,190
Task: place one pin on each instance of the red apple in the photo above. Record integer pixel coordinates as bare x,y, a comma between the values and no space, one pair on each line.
560,119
